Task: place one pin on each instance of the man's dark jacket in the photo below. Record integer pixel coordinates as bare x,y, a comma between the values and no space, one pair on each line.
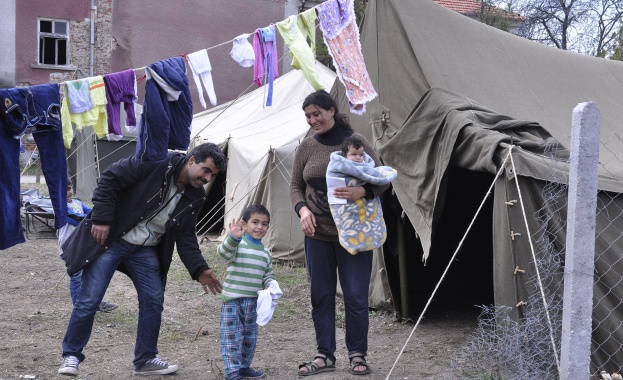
128,192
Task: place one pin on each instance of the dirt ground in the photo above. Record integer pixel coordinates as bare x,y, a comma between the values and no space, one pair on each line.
35,309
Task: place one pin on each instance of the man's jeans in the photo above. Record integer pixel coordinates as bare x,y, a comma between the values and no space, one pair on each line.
141,264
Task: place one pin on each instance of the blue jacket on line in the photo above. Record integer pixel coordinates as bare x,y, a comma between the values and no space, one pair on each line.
167,110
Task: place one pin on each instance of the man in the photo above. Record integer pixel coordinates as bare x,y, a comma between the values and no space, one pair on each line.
141,210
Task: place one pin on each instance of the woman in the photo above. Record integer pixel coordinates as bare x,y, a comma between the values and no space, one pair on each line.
324,254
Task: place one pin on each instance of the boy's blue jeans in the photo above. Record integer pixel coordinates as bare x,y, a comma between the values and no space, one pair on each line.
143,269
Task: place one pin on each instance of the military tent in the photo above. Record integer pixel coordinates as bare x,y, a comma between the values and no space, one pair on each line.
454,96
260,142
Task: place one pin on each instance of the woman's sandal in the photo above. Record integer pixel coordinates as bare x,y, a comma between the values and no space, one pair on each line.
313,367
360,362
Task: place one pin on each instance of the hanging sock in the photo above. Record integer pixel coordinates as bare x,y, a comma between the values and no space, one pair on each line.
299,49
242,51
202,72
341,35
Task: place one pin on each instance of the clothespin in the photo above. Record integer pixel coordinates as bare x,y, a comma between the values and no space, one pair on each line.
513,234
511,202
141,78
521,303
185,56
517,270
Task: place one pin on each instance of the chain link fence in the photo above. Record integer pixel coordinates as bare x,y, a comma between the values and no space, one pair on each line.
506,347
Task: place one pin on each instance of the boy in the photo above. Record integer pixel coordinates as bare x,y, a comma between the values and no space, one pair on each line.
249,270
76,211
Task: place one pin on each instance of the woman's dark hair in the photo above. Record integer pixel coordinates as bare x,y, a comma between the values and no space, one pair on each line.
254,209
352,141
209,150
323,99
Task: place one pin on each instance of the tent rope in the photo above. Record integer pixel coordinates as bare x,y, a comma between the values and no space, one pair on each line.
232,102
250,190
538,274
443,275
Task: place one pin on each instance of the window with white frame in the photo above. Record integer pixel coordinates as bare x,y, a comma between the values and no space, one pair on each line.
53,42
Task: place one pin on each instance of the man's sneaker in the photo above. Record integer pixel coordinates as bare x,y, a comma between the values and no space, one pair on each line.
250,373
107,307
70,366
155,366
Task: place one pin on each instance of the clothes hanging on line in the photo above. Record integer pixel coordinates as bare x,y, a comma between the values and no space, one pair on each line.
242,51
341,35
299,50
35,110
96,116
167,110
80,94
266,68
199,63
120,87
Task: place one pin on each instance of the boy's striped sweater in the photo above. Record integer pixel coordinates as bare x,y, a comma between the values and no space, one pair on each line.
249,268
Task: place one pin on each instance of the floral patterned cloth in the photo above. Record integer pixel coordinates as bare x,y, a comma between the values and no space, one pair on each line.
341,35
360,224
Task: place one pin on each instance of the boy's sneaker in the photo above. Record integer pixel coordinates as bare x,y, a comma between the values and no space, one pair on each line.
155,366
250,373
70,366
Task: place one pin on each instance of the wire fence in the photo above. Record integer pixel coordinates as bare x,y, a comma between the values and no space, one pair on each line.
508,344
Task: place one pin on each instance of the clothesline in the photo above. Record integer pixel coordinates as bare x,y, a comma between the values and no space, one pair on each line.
226,42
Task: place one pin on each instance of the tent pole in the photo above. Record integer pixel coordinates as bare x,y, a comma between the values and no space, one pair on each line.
402,266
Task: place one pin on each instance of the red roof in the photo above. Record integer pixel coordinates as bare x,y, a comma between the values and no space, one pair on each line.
461,6
473,7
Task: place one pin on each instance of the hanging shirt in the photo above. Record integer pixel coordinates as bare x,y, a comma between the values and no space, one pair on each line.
97,117
120,87
242,51
299,49
306,23
199,63
78,91
341,35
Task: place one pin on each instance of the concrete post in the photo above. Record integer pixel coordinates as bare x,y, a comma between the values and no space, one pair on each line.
580,256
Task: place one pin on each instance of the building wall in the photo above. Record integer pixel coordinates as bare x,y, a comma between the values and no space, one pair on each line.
27,13
7,47
133,34
144,34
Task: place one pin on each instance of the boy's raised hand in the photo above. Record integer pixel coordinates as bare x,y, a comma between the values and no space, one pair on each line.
236,228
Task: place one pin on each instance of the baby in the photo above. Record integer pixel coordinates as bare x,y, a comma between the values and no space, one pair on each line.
360,224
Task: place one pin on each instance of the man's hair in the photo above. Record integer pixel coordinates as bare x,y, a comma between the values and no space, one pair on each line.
352,141
209,150
254,209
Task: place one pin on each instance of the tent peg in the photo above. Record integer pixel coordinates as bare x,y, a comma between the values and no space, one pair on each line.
511,202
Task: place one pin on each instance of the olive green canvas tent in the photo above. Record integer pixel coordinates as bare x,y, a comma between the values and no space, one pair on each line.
454,96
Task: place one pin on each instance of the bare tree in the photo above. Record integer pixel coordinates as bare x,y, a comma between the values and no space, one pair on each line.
585,26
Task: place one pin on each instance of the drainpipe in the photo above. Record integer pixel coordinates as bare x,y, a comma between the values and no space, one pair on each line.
92,55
